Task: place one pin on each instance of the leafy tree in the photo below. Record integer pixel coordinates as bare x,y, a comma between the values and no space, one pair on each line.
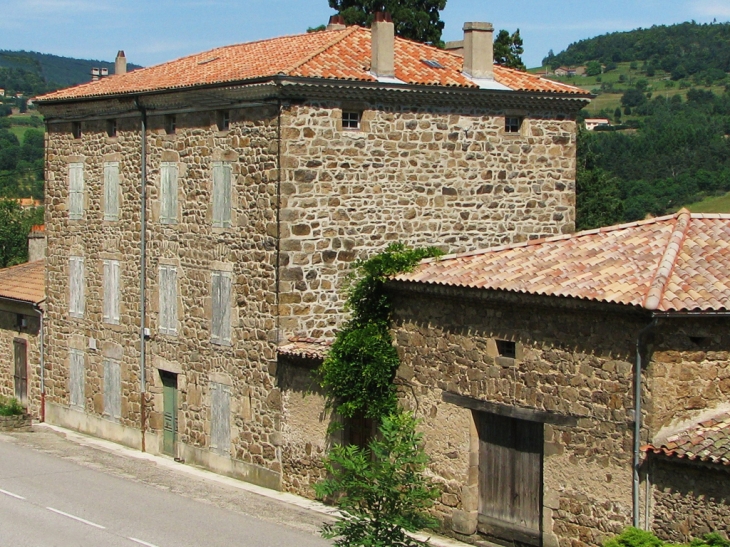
633,97
381,491
418,20
15,224
508,50
593,68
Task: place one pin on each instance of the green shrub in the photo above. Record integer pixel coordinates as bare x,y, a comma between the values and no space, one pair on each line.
633,537
11,407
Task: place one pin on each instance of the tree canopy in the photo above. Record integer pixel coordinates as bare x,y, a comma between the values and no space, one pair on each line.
418,20
508,50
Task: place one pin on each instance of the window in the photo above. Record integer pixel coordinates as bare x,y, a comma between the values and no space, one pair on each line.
168,300
111,128
223,120
111,190
76,130
220,332
75,191
76,286
111,292
170,124
168,192
351,120
505,348
221,194
220,419
76,378
112,389
512,124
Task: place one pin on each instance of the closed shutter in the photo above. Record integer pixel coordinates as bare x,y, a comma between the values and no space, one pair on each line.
111,190
221,296
111,292
112,389
168,193
76,378
220,423
76,286
75,191
168,300
221,194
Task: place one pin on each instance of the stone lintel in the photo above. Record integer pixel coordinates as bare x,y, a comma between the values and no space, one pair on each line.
500,409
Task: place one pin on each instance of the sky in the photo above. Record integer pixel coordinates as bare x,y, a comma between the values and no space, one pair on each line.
154,31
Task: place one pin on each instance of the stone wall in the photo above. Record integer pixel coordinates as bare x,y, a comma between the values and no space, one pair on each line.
9,332
689,500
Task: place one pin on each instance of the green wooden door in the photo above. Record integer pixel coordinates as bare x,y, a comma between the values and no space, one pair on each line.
169,426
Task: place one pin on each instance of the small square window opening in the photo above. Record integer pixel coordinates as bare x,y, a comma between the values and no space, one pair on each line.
76,130
351,120
512,124
505,348
223,120
170,124
111,128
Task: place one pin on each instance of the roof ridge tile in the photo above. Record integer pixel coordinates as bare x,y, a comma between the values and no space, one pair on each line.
341,35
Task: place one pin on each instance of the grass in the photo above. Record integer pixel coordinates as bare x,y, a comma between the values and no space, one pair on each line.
11,407
713,204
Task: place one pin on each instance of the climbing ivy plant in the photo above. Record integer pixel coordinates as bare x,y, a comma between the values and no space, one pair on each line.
358,373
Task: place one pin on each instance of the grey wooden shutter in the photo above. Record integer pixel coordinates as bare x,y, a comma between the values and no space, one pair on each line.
111,190
111,292
220,422
112,389
222,194
76,378
76,286
168,300
168,192
220,332
75,191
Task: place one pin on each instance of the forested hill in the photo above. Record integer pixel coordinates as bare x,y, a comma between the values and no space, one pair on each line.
691,47
31,73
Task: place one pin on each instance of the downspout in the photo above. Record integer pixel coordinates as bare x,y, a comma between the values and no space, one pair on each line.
142,272
278,223
637,418
38,309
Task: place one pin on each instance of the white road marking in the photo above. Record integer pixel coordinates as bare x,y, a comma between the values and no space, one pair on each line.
12,495
142,542
77,518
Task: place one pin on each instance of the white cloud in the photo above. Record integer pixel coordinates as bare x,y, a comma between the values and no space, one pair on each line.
712,8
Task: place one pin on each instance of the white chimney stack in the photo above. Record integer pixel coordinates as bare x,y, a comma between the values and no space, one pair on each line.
479,50
383,46
120,63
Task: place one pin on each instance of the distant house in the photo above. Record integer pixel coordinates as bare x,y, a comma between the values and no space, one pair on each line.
2,92
564,71
28,203
524,361
592,123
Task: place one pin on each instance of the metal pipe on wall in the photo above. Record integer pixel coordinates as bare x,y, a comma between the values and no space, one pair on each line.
143,271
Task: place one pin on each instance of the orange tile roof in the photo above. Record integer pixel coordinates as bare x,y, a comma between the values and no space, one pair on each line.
707,441
674,263
305,348
25,282
336,54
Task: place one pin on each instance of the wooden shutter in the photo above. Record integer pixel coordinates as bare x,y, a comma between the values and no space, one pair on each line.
168,192
112,389
76,378
111,190
168,300
220,332
222,194
75,191
220,422
111,292
76,286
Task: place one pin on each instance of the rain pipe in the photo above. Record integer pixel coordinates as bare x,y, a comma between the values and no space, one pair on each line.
142,270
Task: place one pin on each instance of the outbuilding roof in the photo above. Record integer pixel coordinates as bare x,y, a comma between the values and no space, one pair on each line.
25,282
707,442
334,54
669,264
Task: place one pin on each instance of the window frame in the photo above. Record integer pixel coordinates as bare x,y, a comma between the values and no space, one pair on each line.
513,124
111,191
76,190
167,293
352,120
222,193
221,292
169,187
112,275
76,287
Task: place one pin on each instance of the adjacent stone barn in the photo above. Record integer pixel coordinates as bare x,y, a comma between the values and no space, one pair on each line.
522,362
203,214
22,294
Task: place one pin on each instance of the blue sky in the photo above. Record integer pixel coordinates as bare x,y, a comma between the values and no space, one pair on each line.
155,31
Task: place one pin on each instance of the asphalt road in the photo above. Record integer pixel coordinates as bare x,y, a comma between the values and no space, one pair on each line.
56,493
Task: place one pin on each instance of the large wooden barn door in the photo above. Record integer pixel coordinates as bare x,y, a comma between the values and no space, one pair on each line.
510,478
20,351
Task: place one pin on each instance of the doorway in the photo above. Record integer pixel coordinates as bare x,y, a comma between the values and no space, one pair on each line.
169,419
20,352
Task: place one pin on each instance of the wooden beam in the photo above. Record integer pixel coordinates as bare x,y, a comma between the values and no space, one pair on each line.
529,414
508,531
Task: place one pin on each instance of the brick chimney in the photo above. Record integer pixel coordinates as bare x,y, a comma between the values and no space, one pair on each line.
120,63
383,46
337,22
479,50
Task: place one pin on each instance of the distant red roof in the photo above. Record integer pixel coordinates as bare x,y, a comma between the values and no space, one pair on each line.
25,282
707,442
673,263
336,54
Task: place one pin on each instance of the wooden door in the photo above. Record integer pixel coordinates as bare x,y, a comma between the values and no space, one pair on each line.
20,351
169,420
510,478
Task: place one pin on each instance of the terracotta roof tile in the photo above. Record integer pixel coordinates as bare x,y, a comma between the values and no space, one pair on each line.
337,54
673,263
25,282
707,442
305,348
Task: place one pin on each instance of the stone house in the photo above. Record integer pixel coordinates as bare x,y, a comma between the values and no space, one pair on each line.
524,362
203,215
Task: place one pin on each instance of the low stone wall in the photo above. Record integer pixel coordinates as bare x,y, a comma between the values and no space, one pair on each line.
21,422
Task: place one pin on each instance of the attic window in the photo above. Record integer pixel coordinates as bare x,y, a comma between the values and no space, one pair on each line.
76,130
170,124
223,120
111,128
506,348
512,124
351,120
432,63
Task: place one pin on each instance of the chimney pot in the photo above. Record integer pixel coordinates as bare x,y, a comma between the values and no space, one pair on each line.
337,22
479,50
120,63
383,46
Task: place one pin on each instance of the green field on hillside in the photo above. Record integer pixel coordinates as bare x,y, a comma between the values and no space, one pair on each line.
714,204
